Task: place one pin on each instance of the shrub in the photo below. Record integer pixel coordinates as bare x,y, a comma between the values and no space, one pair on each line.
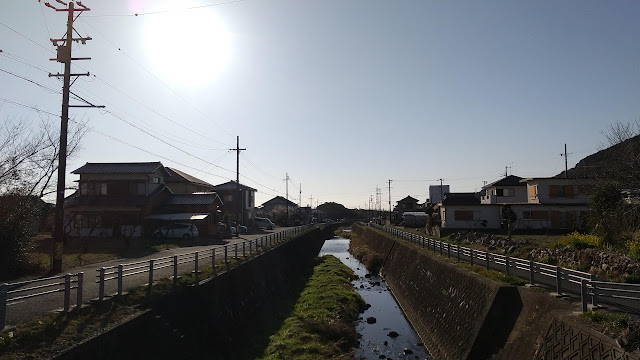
633,245
583,241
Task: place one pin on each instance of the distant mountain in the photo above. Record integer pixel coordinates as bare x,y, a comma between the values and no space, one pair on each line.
602,163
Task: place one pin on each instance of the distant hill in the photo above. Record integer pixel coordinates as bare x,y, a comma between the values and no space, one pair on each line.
600,164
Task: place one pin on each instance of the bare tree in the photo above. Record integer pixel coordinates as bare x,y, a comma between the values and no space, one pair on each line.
29,157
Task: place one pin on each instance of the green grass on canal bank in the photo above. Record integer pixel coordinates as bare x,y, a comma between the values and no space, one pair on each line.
322,323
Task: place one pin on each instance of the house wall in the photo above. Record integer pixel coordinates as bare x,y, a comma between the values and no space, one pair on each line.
147,178
490,213
576,193
559,217
520,195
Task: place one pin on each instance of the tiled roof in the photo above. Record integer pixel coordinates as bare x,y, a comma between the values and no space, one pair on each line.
177,175
231,185
279,200
510,180
408,199
119,168
192,199
461,199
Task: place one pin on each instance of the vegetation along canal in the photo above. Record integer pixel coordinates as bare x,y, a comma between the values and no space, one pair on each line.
386,333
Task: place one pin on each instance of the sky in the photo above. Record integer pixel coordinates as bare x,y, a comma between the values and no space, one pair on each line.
342,96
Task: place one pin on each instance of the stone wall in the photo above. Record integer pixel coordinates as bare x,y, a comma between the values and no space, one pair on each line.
457,314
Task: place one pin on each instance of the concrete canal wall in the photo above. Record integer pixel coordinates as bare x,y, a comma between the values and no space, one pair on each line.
219,318
461,315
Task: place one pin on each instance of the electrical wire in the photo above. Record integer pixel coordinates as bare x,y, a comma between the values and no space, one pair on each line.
24,36
168,11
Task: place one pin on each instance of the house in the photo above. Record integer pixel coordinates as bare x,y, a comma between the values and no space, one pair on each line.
554,203
507,190
129,200
465,211
182,183
238,199
269,205
408,204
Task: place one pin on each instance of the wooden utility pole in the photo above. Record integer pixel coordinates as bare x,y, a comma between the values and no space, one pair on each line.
63,55
566,167
286,179
239,202
390,202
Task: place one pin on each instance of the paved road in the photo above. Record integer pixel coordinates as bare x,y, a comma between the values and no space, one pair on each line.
28,309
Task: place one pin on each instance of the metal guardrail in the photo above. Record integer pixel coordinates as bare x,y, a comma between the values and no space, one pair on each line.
624,296
16,292
68,282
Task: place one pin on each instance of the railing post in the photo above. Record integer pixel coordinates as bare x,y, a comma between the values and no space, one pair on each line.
213,260
226,259
506,265
441,247
150,277
532,272
67,291
101,284
250,247
471,256
175,269
244,254
196,256
583,294
558,280
486,259
4,289
235,251
120,271
448,251
79,290
594,301
458,253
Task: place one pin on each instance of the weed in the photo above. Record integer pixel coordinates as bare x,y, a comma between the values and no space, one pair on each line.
613,323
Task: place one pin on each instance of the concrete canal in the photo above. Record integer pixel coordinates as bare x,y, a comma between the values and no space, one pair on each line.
386,333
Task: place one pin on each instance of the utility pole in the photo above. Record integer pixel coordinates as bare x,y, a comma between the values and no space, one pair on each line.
566,169
63,55
311,206
441,192
300,196
239,203
286,179
390,202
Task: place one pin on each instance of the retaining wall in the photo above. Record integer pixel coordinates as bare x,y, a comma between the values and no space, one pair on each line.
461,315
219,318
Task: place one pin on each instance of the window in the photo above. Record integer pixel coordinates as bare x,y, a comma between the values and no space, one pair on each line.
463,215
93,188
535,215
155,180
505,192
137,188
228,198
87,221
561,191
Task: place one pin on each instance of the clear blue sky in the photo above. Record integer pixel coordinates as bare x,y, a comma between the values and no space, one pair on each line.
342,95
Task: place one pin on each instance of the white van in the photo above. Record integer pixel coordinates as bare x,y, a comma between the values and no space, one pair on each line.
264,223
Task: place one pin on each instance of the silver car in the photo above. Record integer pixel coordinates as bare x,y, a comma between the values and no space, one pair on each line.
177,231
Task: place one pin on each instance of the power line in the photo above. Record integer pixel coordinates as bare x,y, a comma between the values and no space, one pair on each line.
155,77
24,36
167,11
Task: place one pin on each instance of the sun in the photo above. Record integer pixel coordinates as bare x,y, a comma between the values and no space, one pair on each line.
187,48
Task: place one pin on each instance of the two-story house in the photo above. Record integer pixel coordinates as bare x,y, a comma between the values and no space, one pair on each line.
507,190
277,201
113,198
239,200
129,200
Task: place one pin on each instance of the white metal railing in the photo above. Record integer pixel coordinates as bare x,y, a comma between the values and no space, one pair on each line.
625,296
11,293
23,290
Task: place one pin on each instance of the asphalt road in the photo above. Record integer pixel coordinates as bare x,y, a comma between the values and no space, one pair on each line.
27,309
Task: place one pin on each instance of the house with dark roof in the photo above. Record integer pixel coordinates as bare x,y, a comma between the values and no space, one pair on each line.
269,205
239,201
182,183
129,200
507,190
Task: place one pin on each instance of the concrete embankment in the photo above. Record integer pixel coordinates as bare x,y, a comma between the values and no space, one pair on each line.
219,318
461,315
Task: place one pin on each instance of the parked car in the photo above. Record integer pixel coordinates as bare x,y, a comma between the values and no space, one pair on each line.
264,223
243,229
177,231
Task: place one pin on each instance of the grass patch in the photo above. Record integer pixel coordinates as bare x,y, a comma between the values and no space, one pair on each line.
613,323
371,260
321,325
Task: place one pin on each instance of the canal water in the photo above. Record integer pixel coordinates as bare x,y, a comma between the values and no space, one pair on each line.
376,342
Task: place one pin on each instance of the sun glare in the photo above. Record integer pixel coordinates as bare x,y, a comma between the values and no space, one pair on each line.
188,48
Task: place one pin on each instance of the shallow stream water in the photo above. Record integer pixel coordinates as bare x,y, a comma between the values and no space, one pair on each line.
376,342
